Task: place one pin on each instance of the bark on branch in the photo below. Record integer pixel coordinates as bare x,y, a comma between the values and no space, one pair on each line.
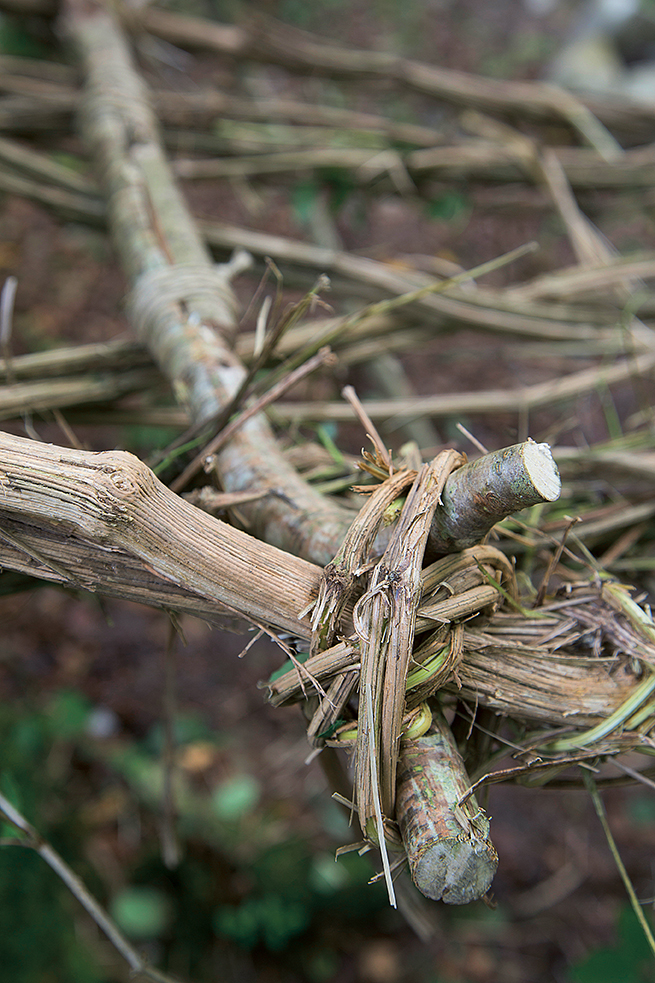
451,856
105,523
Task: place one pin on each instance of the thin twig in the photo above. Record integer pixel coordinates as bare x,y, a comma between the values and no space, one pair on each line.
77,887
292,317
367,718
602,815
324,357
169,842
348,392
552,564
6,323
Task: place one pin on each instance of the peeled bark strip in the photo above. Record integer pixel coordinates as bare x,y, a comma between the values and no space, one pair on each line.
341,574
385,620
451,858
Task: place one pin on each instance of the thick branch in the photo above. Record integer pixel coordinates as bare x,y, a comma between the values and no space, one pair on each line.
181,306
450,855
102,521
485,491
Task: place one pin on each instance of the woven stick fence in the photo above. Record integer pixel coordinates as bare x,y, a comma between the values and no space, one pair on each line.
400,637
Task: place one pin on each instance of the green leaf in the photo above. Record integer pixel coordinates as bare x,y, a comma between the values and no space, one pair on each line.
141,912
73,163
236,797
287,666
282,919
326,875
68,713
629,961
38,942
241,924
15,40
270,919
449,206
641,810
11,791
187,728
303,200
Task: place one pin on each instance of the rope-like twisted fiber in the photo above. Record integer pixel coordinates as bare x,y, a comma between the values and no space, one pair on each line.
186,284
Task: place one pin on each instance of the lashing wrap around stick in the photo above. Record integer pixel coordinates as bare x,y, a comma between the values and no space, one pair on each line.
421,783
385,619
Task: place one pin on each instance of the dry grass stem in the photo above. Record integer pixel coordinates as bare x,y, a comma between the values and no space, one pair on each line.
522,400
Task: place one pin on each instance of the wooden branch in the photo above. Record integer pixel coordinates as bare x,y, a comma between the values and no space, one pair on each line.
30,163
47,394
182,307
478,494
513,312
52,103
444,308
364,276
475,160
284,45
450,855
74,516
298,50
483,402
103,522
118,355
69,204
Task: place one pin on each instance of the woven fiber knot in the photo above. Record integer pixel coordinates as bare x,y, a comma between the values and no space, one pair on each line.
204,291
